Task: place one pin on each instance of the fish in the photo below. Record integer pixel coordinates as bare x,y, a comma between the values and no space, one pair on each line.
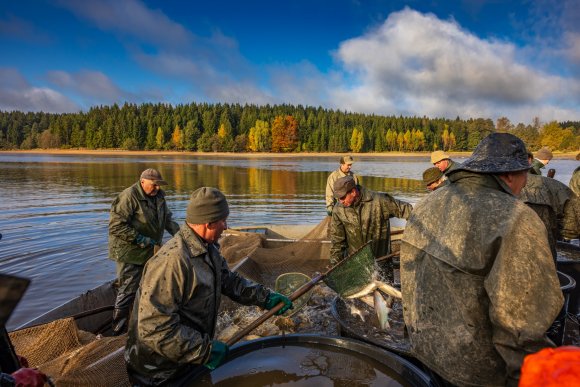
366,290
357,312
369,300
388,289
373,285
383,309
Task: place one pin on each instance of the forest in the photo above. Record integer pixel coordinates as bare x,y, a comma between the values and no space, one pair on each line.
220,127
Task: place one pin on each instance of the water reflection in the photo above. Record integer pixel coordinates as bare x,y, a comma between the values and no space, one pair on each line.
55,208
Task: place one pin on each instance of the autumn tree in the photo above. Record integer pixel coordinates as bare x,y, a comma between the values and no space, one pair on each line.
357,140
159,138
284,134
177,138
259,137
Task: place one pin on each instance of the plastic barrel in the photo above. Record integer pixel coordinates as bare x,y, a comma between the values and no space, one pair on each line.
570,267
556,331
410,374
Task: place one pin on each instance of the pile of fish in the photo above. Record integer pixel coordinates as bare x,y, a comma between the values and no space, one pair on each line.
382,305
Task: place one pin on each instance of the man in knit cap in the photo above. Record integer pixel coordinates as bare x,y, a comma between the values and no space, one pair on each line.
138,218
543,157
171,334
343,170
479,284
433,178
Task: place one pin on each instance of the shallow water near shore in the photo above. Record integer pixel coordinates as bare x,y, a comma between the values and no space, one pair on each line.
55,208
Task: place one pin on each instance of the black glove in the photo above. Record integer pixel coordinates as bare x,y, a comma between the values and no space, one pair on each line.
329,212
144,241
276,298
219,353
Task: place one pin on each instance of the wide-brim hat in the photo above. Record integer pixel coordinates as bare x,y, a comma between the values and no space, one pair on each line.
438,156
431,175
497,153
343,186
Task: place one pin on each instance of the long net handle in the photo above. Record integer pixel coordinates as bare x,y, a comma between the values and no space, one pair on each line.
260,320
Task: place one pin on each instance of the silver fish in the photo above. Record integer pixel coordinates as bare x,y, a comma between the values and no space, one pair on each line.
382,309
357,312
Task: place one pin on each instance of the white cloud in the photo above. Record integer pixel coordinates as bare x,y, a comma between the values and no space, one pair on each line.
418,64
92,84
17,94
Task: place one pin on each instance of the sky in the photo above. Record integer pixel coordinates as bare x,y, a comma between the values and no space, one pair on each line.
518,59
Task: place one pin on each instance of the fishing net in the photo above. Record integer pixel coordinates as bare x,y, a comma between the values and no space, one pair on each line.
263,259
353,273
72,357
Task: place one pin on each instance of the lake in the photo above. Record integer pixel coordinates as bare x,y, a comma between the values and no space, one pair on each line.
55,208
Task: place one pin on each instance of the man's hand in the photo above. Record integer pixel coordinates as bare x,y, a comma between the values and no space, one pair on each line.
329,211
29,377
276,298
144,241
219,353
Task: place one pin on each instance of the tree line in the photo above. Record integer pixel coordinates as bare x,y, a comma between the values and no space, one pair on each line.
270,128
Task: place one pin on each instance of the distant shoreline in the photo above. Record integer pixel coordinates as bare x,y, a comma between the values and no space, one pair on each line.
115,152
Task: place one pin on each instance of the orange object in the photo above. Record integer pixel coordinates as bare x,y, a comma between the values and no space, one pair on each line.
552,367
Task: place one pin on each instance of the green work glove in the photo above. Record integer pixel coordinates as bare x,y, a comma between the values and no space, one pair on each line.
219,352
276,298
329,212
144,241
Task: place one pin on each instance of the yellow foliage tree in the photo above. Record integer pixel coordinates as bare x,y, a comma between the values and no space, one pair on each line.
357,140
177,138
160,138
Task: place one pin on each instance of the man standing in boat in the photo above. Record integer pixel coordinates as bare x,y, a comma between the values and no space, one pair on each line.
139,216
171,333
479,284
543,158
442,161
433,178
343,170
360,216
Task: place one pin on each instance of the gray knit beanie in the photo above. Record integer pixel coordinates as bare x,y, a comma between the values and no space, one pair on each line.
206,205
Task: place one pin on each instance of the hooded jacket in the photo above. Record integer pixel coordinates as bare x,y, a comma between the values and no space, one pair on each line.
479,284
176,307
133,213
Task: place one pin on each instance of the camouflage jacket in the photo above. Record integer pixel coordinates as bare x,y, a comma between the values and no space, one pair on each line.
550,199
133,213
367,219
575,182
334,176
537,165
479,284
176,307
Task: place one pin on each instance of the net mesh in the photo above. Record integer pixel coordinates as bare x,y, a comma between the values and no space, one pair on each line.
354,273
253,259
72,357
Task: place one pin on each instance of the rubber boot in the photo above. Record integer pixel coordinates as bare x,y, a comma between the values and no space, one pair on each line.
120,321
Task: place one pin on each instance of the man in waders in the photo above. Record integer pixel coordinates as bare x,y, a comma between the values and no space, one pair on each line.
360,216
479,284
171,334
343,170
139,215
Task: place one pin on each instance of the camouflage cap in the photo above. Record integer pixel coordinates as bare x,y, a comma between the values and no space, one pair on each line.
154,175
544,154
497,153
346,160
431,175
343,186
438,156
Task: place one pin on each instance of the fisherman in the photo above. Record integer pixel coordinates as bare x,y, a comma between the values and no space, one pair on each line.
343,170
543,157
556,205
433,178
360,216
480,292
171,336
442,161
575,179
139,215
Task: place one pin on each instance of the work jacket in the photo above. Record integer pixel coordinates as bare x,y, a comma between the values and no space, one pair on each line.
575,182
334,176
536,167
479,284
367,219
133,213
176,307
550,199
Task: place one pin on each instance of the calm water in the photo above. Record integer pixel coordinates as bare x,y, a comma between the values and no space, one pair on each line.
54,208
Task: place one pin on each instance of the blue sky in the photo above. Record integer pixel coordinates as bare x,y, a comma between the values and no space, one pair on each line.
439,58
